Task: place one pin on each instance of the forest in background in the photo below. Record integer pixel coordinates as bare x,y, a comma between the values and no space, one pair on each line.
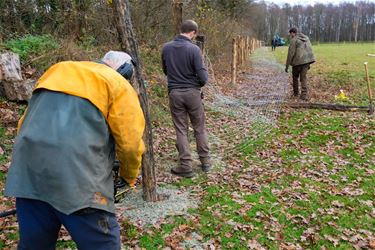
90,23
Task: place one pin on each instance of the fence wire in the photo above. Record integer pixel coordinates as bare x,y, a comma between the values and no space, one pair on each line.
256,106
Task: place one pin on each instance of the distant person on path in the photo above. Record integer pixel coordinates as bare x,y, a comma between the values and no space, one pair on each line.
61,171
300,56
273,43
183,64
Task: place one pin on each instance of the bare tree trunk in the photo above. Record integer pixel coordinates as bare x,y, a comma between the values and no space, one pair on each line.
339,27
81,9
355,27
177,13
357,16
129,44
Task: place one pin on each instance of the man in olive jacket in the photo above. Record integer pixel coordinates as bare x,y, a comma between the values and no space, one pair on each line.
61,171
300,56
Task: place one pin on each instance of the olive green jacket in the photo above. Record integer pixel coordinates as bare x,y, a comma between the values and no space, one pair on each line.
300,51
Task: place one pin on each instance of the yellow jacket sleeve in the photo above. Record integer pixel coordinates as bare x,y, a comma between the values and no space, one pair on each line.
126,121
20,121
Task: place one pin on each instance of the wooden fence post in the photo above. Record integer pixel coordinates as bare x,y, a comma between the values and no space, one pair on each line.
247,46
244,57
234,60
239,52
238,39
371,106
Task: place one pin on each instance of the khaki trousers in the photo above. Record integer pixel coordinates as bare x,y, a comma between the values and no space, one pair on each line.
185,104
300,72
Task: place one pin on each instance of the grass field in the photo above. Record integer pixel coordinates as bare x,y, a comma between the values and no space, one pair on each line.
341,65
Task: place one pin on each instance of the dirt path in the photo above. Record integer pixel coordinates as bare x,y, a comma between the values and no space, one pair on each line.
266,82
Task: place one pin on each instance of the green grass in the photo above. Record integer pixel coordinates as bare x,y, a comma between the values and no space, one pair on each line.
66,244
306,195
320,129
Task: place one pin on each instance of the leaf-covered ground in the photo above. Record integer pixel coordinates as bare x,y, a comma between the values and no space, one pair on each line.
307,183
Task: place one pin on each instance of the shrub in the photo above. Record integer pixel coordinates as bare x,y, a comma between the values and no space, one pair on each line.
29,46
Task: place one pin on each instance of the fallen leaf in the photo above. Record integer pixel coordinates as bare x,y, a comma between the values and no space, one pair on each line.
330,238
372,244
337,204
253,244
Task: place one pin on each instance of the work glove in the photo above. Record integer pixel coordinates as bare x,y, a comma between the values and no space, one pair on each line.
132,183
286,69
121,183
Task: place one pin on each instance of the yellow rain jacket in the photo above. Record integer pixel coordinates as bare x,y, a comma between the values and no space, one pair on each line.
114,97
64,148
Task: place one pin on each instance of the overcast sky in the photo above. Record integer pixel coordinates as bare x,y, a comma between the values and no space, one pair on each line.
312,2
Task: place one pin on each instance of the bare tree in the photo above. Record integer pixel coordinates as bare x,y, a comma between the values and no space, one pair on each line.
321,22
129,44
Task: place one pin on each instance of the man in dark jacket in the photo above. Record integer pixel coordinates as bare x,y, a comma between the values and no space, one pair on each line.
300,56
183,64
273,43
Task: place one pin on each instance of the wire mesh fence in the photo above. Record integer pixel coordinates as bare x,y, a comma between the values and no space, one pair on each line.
256,105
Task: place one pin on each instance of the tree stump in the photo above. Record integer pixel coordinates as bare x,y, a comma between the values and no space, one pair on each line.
12,86
17,91
10,67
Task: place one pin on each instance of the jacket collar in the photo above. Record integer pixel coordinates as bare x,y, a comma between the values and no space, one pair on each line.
182,38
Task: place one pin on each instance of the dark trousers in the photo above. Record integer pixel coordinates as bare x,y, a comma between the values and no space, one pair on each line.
300,72
40,223
185,104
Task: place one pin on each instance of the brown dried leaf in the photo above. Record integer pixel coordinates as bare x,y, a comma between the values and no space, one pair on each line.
332,239
337,204
372,244
253,244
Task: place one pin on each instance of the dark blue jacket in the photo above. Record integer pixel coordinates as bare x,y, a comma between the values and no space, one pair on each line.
183,64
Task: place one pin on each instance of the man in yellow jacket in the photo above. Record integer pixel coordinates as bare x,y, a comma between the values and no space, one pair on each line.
80,116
